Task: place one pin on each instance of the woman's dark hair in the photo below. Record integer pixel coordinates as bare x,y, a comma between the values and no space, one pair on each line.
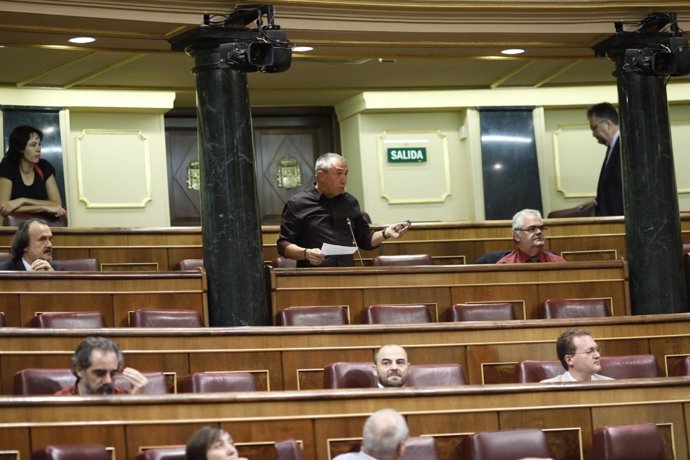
201,441
19,137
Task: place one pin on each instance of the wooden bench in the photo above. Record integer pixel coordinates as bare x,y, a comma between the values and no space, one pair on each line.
24,294
293,357
327,422
526,286
160,248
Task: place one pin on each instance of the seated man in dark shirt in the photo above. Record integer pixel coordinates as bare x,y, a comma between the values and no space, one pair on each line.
95,363
529,236
31,247
326,213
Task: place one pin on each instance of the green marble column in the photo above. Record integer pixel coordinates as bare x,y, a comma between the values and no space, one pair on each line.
644,62
230,218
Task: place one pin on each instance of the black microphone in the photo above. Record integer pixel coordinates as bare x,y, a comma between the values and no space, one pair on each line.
354,241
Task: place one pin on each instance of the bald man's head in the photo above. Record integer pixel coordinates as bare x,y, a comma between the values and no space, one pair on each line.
392,366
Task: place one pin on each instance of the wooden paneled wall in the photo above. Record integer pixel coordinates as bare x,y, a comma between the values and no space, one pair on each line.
124,249
328,421
526,286
294,357
24,294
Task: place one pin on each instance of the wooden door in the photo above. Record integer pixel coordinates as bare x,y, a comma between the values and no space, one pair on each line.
183,174
286,143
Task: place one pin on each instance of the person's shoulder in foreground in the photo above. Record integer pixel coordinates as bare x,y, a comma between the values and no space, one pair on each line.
383,437
354,456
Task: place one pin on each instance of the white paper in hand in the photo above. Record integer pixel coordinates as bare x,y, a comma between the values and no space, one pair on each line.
335,250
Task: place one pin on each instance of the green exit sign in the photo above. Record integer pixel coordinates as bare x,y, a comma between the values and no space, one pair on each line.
407,155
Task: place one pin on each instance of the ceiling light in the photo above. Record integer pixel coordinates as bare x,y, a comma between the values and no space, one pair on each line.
302,49
513,51
82,40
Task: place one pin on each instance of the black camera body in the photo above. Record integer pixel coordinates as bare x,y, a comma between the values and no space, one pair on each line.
261,49
269,51
669,58
658,47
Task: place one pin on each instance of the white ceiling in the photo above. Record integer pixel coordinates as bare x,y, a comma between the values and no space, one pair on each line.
424,45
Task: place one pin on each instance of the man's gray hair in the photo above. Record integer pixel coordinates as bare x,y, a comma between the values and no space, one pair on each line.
384,432
325,161
519,217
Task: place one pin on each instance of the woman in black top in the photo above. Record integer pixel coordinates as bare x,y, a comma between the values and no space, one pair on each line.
27,183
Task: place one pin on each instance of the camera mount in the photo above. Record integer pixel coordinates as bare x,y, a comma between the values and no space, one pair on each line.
264,48
657,47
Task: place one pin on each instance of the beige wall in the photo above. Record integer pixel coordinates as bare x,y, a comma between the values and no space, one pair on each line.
572,158
569,157
114,154
115,157
116,166
436,190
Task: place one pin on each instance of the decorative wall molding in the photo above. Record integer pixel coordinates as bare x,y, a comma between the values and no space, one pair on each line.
113,168
575,168
412,182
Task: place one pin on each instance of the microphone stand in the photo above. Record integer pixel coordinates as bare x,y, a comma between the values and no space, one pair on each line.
354,241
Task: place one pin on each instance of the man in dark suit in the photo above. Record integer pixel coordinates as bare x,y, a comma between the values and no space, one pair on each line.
603,120
31,248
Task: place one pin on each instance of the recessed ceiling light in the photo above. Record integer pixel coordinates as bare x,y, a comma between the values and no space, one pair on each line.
513,51
302,49
82,40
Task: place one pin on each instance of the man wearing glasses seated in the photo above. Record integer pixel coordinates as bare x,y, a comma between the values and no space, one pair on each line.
96,362
529,235
579,354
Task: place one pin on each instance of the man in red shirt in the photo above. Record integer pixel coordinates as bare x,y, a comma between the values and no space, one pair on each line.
529,235
95,363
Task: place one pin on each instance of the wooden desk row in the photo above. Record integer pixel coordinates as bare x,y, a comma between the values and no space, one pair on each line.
327,422
526,286
293,358
23,295
159,249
